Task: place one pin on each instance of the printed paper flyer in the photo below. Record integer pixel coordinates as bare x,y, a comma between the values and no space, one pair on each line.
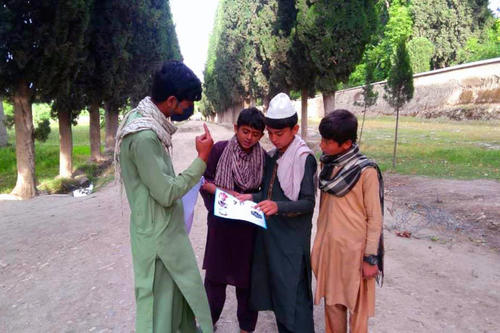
229,207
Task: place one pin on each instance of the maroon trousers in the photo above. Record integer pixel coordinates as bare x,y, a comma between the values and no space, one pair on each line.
216,293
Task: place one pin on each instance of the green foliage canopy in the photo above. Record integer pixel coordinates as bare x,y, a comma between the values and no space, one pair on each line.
420,50
399,87
448,24
337,32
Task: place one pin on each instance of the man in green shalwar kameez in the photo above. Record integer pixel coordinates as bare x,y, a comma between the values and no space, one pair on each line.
169,293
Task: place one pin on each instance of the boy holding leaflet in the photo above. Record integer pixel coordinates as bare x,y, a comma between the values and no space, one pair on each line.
234,165
281,268
348,251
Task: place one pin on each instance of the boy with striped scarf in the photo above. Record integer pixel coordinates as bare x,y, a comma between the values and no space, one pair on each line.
347,253
235,166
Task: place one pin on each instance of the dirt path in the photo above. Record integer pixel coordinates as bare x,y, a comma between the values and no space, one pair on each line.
65,262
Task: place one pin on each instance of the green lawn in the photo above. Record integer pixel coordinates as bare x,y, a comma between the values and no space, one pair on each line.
47,156
436,148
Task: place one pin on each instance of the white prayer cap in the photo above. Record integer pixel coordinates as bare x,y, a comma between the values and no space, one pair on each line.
280,107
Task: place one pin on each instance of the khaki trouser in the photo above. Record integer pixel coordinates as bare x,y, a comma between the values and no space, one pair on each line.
336,315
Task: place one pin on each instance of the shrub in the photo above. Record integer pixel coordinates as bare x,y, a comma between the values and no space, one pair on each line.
42,130
420,50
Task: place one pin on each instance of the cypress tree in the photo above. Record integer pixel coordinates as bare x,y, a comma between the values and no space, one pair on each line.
31,67
68,49
338,33
399,87
303,72
127,40
369,97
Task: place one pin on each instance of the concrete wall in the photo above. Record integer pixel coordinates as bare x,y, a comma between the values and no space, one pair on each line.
469,91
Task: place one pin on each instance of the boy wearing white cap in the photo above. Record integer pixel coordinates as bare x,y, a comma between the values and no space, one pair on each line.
281,268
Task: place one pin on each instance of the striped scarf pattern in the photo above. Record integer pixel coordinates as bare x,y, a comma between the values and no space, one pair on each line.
238,167
351,164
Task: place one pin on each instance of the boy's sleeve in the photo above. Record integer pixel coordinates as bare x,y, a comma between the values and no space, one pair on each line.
213,160
306,200
163,187
371,199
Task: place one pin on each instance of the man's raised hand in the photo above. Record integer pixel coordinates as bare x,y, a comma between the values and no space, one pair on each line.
204,144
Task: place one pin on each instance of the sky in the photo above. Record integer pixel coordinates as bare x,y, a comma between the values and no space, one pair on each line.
194,20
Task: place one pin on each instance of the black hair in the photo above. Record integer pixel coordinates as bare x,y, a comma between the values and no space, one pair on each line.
252,117
282,123
340,125
173,78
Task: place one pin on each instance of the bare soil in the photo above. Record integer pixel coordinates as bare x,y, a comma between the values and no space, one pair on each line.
65,263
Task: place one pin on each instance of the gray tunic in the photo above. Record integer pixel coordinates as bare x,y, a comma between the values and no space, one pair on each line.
282,263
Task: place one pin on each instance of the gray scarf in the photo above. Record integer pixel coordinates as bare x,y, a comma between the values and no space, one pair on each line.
151,119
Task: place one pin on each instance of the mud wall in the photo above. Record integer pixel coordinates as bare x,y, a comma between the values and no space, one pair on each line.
470,91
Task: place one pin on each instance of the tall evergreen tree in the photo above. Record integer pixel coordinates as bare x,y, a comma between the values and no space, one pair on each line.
211,101
303,72
399,87
109,32
68,48
247,55
126,41
276,22
369,97
233,74
338,33
31,66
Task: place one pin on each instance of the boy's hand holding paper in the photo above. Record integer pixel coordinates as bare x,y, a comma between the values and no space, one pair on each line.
229,207
268,207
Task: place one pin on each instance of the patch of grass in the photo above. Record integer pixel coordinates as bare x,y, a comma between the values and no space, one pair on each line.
59,185
429,147
47,161
439,148
436,148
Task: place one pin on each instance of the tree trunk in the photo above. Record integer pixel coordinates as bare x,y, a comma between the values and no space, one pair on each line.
95,133
328,102
395,139
266,101
3,130
303,120
111,117
362,126
25,146
65,144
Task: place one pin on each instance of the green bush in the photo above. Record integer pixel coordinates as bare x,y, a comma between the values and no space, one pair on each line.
41,119
420,50
42,130
486,46
8,120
